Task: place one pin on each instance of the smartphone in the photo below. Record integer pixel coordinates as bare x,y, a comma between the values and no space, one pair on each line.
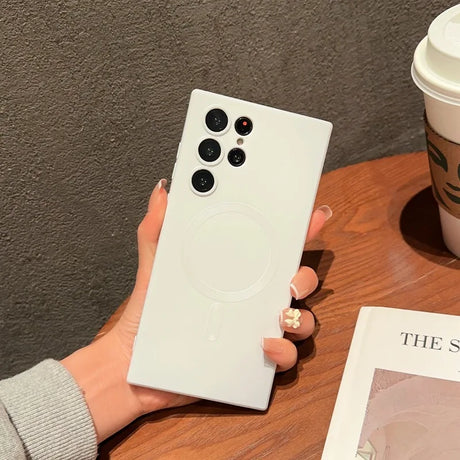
239,206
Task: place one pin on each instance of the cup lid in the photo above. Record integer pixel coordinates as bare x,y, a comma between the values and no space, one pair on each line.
436,65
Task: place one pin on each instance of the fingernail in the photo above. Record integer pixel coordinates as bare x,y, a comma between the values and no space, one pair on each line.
291,317
326,210
294,292
162,184
271,345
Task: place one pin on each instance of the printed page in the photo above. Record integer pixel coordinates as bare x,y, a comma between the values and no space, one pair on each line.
400,392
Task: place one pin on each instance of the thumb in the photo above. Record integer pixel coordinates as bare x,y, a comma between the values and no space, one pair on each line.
148,233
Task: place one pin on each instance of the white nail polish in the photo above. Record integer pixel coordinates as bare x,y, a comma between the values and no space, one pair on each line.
326,210
295,291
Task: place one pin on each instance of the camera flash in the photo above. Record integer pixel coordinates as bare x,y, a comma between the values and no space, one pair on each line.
240,141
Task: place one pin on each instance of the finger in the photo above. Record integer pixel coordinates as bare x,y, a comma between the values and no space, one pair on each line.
298,324
281,351
318,218
305,281
148,233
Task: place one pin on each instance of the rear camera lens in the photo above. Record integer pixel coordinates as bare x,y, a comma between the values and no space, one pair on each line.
236,157
216,120
202,181
243,126
209,150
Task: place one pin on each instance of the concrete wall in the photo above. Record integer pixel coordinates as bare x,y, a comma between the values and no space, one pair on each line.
92,99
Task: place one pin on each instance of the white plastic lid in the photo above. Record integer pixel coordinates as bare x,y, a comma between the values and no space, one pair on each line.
436,66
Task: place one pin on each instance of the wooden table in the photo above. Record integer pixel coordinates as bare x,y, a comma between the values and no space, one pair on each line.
382,246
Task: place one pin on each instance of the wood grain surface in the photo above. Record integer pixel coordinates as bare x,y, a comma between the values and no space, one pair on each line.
382,246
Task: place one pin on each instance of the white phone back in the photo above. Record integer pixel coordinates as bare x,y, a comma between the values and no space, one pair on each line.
224,261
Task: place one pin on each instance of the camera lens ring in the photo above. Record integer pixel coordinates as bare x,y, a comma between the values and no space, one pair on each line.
209,150
203,182
216,120
243,126
236,157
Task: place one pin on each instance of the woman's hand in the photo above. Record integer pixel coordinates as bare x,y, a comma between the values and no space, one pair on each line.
297,324
101,368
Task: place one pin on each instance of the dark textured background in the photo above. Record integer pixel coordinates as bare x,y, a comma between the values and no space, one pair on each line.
92,99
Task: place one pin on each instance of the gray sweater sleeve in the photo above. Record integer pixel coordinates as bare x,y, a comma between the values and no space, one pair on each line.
43,415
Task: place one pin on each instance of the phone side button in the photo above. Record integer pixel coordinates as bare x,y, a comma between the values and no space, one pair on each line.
174,170
214,322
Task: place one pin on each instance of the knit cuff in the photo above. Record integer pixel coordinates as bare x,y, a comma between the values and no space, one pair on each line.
10,443
50,414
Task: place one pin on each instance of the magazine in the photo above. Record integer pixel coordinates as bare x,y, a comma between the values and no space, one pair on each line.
400,392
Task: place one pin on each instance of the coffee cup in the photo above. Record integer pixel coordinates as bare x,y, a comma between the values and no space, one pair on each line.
436,71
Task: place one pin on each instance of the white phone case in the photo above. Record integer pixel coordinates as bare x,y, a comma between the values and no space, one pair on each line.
225,259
